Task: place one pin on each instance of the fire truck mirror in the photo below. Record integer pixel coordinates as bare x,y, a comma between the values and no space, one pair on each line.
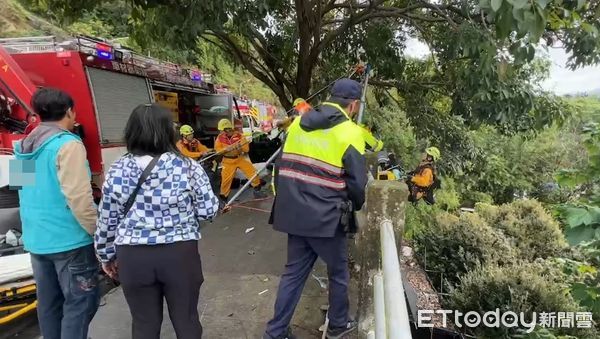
78,130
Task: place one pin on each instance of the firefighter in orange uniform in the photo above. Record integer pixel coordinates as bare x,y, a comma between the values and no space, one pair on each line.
423,181
190,146
234,148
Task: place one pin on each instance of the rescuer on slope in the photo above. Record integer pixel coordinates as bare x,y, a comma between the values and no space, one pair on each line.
423,180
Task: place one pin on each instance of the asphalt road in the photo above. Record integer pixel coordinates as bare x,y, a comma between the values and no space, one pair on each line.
241,272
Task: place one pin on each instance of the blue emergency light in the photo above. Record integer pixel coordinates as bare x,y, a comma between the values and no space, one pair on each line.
104,51
195,76
104,55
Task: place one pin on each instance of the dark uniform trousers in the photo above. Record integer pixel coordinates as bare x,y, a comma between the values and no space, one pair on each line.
302,253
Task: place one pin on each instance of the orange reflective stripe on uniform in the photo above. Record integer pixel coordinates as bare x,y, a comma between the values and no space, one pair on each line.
313,162
313,179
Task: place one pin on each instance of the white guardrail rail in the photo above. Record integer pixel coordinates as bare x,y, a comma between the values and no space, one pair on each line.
391,313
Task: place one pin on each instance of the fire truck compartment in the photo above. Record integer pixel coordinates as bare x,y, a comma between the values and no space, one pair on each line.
196,108
115,96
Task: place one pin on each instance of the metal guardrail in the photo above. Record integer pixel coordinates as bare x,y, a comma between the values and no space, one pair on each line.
30,44
391,313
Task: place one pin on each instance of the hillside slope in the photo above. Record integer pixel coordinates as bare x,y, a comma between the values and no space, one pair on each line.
16,21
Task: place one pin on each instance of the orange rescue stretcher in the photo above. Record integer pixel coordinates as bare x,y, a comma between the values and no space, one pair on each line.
17,287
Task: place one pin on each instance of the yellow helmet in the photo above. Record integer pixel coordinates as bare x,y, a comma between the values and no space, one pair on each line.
434,152
224,124
186,130
298,101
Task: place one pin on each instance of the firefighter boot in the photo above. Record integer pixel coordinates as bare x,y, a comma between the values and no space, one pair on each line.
258,194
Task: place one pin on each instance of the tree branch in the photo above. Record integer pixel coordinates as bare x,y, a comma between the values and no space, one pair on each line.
368,12
431,86
246,60
270,61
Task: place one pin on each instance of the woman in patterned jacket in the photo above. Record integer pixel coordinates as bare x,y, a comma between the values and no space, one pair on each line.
148,228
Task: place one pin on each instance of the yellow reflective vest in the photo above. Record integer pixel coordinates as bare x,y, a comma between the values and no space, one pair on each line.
322,149
373,143
319,170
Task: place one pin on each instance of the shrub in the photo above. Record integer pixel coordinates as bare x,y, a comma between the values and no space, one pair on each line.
527,288
530,227
418,218
387,121
455,245
471,198
488,212
447,198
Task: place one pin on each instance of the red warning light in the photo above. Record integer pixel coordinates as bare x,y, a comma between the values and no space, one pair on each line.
103,47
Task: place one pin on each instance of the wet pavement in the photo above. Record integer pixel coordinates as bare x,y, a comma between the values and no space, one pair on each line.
241,271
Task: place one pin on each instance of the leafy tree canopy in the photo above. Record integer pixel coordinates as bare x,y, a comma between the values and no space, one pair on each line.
481,69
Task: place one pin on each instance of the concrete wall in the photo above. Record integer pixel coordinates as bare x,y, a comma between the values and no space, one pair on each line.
385,200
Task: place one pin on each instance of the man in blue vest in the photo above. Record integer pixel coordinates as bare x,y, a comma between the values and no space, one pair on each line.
59,218
321,178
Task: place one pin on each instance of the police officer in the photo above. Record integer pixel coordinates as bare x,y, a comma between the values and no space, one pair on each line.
322,171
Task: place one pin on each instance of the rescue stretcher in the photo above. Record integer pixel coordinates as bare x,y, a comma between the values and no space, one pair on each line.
17,287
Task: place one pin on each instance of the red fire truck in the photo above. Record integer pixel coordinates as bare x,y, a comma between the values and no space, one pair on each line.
106,81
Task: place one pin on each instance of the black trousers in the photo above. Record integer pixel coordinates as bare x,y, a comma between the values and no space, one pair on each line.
151,273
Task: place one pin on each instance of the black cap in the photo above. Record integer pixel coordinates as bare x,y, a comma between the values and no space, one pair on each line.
346,89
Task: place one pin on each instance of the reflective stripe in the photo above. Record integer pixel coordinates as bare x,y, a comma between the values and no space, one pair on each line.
312,162
312,179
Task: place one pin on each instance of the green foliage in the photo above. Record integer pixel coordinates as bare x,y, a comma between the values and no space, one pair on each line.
447,198
530,227
111,20
586,109
108,20
582,223
588,174
225,71
418,218
392,126
454,246
584,281
582,219
525,287
534,20
471,198
16,21
292,47
512,165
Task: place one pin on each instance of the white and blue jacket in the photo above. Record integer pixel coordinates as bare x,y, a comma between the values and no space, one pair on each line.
168,207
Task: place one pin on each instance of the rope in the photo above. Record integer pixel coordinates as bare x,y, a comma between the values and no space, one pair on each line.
241,205
250,208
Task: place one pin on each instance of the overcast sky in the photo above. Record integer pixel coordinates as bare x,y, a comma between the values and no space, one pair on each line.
562,80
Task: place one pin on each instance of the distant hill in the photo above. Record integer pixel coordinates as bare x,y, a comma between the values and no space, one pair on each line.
591,93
